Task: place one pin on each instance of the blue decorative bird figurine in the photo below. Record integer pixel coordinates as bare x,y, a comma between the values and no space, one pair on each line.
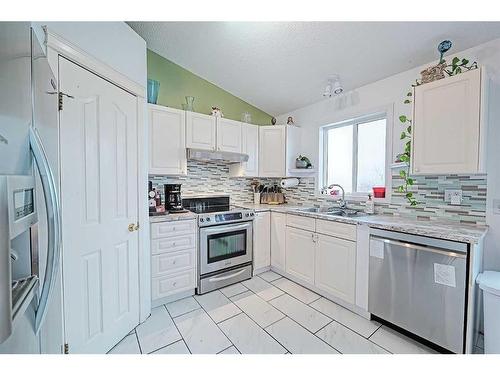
444,47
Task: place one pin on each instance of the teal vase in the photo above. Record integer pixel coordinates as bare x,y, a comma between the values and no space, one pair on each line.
153,88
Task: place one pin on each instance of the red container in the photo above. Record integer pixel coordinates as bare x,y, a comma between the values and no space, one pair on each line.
379,192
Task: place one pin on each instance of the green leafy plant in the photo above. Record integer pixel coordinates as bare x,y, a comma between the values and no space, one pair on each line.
405,157
457,66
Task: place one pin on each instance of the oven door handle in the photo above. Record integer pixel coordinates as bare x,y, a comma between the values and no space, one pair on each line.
222,278
226,228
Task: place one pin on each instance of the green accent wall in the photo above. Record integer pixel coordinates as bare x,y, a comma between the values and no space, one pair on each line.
176,83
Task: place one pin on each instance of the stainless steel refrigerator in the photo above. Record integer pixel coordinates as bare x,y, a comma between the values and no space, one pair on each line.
30,283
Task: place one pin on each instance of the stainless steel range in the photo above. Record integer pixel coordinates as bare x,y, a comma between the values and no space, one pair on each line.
225,242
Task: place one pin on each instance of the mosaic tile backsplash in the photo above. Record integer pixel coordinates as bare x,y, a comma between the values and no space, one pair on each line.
213,178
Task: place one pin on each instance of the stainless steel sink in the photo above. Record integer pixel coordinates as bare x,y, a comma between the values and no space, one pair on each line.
330,211
314,209
343,212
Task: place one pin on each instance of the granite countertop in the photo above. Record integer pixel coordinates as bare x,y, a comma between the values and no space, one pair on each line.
443,229
173,217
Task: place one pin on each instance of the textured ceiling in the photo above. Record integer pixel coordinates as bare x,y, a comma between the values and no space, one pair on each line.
281,66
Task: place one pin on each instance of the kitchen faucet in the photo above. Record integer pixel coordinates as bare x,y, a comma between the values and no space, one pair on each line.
342,202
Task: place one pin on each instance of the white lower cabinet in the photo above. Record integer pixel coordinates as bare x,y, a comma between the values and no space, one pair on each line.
262,241
320,253
173,258
278,238
168,285
335,266
300,254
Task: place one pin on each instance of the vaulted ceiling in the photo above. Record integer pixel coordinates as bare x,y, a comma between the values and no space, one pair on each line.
281,66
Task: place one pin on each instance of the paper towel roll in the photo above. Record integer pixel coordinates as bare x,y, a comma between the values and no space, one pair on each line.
289,182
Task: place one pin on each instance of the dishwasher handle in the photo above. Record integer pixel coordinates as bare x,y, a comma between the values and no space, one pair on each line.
413,246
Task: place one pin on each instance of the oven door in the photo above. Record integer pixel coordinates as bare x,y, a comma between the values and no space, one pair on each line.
225,246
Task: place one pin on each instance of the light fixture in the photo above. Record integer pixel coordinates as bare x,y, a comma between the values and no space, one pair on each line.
333,87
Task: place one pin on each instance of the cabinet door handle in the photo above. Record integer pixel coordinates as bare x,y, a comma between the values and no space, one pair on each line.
131,227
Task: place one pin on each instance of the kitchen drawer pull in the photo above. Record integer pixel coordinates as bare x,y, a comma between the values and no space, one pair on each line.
222,278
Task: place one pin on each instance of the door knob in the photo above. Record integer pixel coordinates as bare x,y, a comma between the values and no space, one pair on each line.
133,227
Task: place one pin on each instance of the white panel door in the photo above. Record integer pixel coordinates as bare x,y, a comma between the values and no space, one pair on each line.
200,131
228,135
446,125
300,249
167,141
262,240
98,135
278,240
272,151
335,270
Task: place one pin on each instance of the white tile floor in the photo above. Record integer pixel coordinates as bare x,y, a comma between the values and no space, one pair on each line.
267,314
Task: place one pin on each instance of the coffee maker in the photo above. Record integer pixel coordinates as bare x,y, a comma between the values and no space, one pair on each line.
173,200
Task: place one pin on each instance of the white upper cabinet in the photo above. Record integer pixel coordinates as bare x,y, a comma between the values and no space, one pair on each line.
449,125
228,135
249,146
200,131
272,151
167,147
278,149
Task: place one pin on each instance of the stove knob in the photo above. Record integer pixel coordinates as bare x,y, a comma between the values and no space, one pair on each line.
202,220
251,214
247,214
208,219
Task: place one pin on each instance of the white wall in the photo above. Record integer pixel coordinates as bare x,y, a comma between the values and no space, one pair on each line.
392,91
113,43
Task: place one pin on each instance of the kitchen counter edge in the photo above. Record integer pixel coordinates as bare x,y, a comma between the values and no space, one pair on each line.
442,229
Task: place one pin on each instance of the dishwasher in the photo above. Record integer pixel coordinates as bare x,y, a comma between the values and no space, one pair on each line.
419,284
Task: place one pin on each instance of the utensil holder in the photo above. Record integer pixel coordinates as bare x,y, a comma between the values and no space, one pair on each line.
256,198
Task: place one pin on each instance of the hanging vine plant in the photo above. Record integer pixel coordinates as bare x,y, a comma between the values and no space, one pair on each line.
430,74
405,158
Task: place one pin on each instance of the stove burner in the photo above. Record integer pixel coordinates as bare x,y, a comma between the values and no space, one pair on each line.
216,210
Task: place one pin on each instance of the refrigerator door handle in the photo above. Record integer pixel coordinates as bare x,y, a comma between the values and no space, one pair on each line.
53,225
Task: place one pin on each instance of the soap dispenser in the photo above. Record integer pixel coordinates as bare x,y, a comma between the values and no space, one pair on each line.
370,205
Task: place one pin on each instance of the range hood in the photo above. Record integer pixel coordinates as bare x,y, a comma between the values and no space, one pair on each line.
206,155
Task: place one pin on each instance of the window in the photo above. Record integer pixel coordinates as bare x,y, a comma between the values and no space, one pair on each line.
354,154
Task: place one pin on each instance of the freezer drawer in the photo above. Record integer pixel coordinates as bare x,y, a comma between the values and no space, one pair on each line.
420,287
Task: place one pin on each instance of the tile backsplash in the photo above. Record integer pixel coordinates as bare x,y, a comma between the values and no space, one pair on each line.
209,178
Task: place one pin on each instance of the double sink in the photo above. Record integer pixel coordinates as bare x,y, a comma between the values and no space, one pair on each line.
330,211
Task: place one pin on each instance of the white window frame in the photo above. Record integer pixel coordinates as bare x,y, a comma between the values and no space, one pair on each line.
359,118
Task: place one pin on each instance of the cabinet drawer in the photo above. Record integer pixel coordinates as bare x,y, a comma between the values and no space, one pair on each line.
173,243
336,229
169,263
169,228
166,285
301,222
